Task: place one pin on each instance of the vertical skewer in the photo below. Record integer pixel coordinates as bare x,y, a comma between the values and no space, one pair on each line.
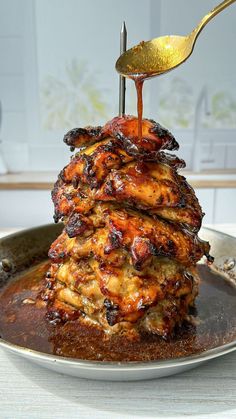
123,45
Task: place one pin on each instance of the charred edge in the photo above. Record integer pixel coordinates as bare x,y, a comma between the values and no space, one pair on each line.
160,200
173,145
56,218
73,135
114,243
127,144
76,225
57,187
153,249
58,316
159,130
61,178
75,182
161,251
109,188
110,147
88,170
182,202
55,256
210,258
111,312
163,133
171,160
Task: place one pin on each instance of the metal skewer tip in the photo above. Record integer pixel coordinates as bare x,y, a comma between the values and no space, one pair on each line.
123,46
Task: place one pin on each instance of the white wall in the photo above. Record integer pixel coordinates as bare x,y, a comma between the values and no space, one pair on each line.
39,39
12,75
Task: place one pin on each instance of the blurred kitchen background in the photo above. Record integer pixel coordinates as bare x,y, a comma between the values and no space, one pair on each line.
57,72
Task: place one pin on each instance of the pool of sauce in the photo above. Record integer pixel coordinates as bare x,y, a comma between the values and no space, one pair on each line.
23,322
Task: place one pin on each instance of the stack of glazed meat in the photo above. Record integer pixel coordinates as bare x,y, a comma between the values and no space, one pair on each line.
126,259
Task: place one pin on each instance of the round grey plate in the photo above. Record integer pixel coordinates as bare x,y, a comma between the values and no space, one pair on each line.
33,244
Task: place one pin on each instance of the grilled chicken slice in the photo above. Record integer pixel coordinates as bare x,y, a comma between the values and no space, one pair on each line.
142,185
79,137
155,187
154,136
109,295
125,130
94,163
142,236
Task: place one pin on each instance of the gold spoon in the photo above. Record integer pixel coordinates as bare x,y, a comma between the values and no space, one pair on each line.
155,57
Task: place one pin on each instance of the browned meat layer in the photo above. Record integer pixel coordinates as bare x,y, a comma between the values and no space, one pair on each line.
155,187
121,297
142,236
125,261
125,130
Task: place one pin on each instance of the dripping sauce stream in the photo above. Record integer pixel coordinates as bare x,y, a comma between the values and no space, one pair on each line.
139,88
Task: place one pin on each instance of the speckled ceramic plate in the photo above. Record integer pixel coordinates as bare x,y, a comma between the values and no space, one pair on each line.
20,250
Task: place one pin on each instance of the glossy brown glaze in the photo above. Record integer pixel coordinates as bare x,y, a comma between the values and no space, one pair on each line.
23,322
139,88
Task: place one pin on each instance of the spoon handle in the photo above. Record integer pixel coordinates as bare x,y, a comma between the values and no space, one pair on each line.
194,34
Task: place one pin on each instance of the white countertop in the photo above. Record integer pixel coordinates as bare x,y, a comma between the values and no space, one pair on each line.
28,391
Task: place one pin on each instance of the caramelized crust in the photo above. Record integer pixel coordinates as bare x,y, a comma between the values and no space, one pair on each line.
111,296
139,234
155,187
154,136
79,137
142,185
125,130
125,262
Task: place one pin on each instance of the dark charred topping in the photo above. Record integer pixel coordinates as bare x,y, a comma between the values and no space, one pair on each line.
77,224
114,242
79,137
109,188
62,316
57,252
171,245
182,203
88,167
75,182
171,160
111,312
164,134
210,258
56,218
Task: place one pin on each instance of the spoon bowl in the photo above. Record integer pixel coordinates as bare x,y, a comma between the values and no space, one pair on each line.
155,57
160,55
